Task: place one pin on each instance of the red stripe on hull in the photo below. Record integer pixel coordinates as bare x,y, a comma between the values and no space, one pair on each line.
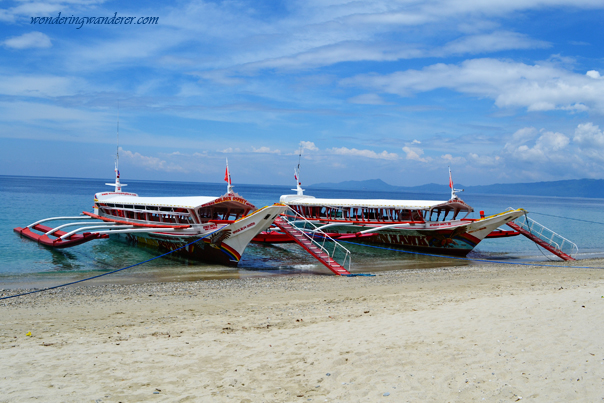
272,237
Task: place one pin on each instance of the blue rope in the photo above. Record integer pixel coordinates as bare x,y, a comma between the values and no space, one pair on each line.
568,218
111,272
358,275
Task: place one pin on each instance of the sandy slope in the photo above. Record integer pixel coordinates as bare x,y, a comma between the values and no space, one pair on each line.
484,333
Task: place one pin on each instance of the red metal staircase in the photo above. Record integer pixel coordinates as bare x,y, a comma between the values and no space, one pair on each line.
312,247
544,237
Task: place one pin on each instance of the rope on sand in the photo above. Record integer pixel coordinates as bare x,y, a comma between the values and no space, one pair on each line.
108,273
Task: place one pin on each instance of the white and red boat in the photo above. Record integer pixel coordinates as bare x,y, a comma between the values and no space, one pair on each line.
226,223
440,227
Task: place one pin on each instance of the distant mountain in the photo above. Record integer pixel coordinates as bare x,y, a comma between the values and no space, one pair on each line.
590,188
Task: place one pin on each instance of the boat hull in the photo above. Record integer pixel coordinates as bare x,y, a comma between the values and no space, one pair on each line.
452,238
224,246
187,247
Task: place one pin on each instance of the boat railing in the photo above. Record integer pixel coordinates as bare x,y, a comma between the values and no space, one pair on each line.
318,237
80,217
548,236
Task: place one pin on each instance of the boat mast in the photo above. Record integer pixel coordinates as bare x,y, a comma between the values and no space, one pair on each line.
453,190
227,178
117,184
298,189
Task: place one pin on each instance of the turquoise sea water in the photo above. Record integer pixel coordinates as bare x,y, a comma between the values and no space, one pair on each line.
24,200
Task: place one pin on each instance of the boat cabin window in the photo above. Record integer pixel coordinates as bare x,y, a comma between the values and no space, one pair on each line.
362,214
138,213
444,214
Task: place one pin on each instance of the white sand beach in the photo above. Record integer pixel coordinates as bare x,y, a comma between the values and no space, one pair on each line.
495,333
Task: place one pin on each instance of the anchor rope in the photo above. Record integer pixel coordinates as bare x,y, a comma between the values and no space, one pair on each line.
111,272
569,218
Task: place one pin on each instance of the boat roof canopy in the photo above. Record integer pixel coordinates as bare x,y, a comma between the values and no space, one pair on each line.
194,202
310,201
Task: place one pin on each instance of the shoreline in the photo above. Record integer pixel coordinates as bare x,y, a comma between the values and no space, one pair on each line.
499,332
168,274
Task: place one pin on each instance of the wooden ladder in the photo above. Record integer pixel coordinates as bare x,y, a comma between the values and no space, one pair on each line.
311,246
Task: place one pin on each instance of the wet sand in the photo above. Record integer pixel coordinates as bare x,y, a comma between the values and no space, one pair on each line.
494,332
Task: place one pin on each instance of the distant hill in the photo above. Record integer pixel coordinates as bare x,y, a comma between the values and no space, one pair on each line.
590,188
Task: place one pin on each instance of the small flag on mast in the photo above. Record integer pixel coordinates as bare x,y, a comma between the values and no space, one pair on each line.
450,179
227,175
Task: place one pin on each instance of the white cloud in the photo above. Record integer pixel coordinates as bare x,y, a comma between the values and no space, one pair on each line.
413,13
265,150
493,42
384,155
337,53
32,111
41,85
589,135
590,139
308,145
370,50
511,84
593,74
29,40
521,136
368,99
484,160
230,150
544,148
415,153
27,9
219,77
150,163
451,160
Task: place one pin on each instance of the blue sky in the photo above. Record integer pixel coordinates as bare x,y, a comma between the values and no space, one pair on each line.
499,90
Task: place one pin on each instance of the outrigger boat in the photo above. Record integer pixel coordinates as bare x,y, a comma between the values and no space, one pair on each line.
165,223
440,227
